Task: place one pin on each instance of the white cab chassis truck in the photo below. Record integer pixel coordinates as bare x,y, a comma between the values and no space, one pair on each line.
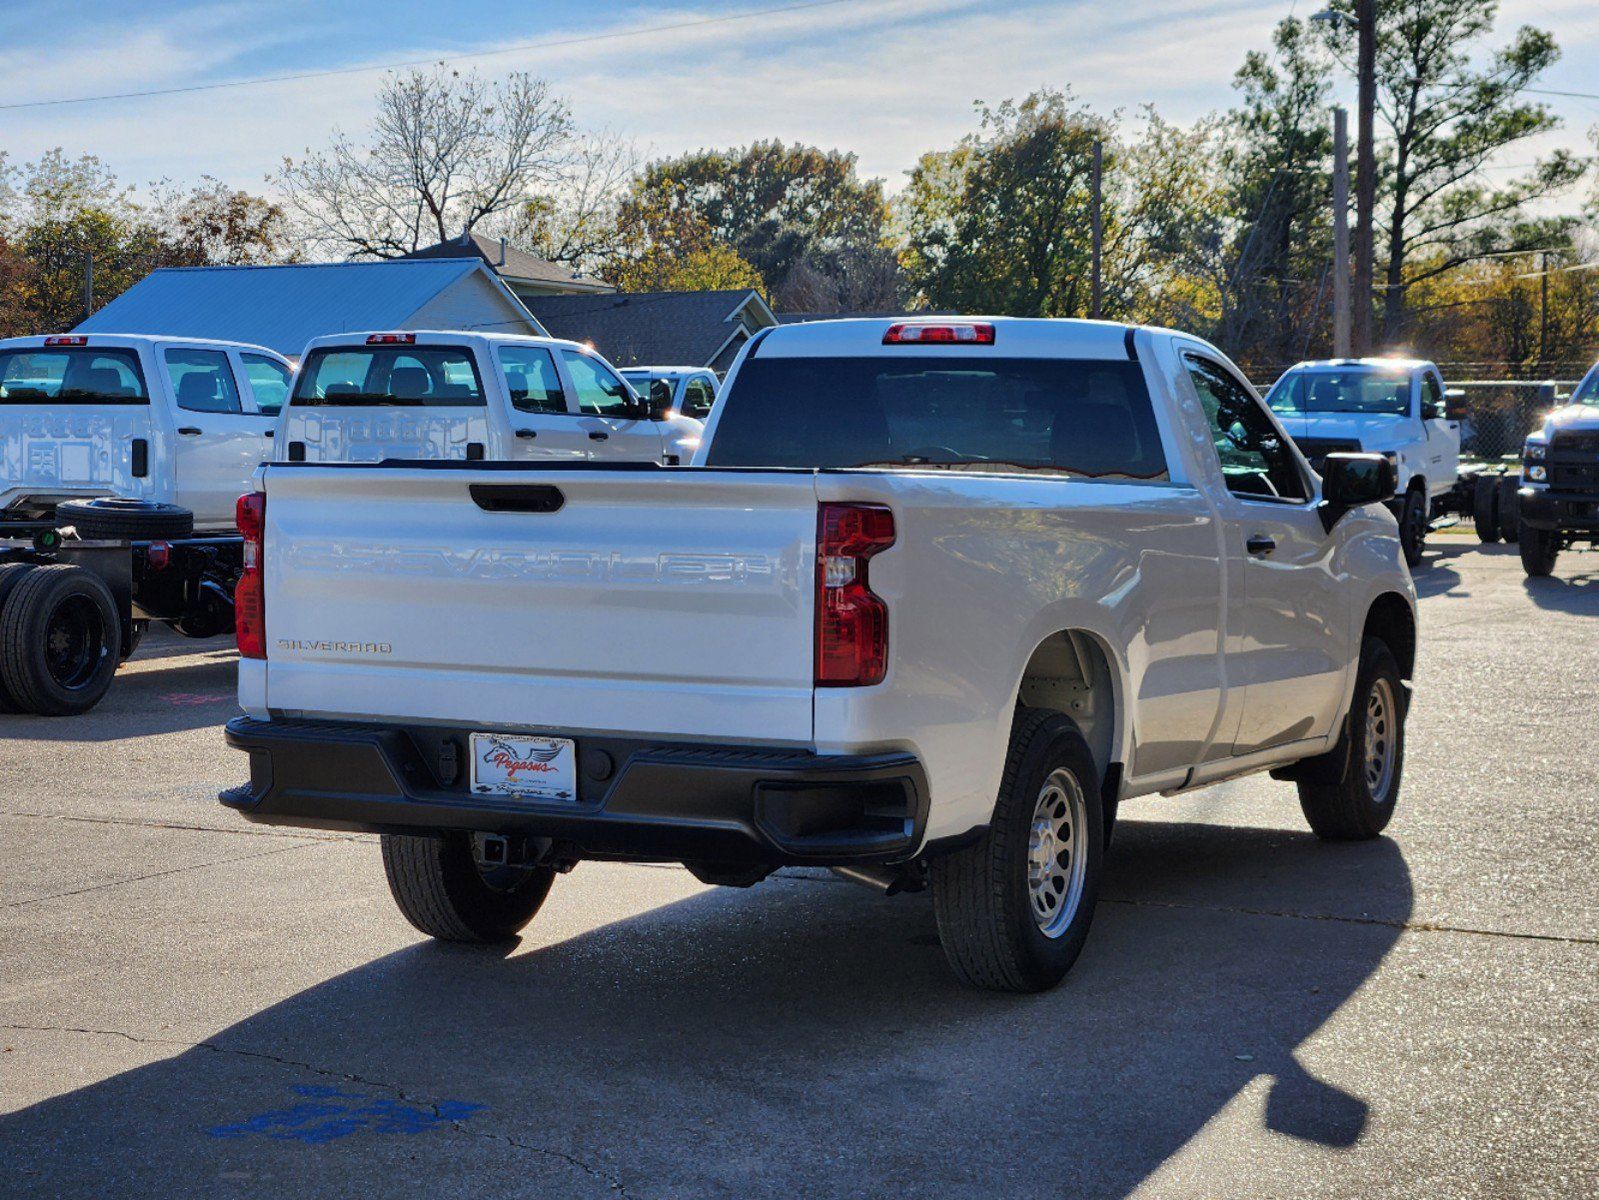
1558,500
1396,407
122,459
472,397
934,598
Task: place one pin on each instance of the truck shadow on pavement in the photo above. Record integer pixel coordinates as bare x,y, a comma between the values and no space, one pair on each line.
803,1038
167,695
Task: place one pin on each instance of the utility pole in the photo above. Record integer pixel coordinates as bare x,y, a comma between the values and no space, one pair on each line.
1340,182
88,286
1365,169
1096,304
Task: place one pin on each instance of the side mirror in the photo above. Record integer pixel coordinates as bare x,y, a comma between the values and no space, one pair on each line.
1349,481
1454,404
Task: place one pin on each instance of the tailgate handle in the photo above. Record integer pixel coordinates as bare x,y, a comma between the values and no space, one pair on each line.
517,497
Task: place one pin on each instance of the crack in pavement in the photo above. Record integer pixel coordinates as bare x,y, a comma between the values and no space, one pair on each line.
395,1089
140,823
1386,922
217,862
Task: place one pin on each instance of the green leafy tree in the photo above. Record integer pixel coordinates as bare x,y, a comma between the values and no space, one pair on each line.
773,204
1000,222
661,248
1449,105
1279,192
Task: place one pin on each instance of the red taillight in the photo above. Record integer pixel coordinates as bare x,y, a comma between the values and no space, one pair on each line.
249,598
959,333
74,340
851,620
391,339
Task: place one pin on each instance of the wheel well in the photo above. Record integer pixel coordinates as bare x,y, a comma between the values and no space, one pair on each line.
1070,673
1391,621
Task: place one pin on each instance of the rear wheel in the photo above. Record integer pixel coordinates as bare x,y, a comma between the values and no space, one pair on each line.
1485,508
10,575
1510,508
441,888
60,641
1014,908
1361,803
1539,549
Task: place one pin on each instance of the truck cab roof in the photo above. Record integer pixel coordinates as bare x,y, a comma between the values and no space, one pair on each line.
1011,337
41,340
438,337
1359,364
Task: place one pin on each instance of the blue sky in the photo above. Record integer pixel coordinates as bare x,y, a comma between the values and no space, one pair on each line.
886,78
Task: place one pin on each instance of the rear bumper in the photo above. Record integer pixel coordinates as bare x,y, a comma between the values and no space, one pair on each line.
1567,511
637,801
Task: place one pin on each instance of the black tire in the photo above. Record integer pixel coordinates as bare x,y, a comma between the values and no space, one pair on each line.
1539,549
60,641
981,893
1413,526
1510,508
108,518
10,575
1485,508
1351,810
437,885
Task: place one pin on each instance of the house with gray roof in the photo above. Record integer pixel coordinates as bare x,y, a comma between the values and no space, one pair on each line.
704,329
526,274
284,307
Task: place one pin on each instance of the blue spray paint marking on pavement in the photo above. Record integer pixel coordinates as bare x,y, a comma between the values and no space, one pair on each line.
328,1113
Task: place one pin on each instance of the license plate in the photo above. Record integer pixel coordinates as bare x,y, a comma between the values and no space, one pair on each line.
513,764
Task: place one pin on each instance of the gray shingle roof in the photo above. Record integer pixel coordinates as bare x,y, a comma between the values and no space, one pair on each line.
645,327
518,265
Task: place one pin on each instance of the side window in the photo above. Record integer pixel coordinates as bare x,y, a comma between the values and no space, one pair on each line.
698,398
1432,398
1255,460
530,375
202,381
269,380
600,392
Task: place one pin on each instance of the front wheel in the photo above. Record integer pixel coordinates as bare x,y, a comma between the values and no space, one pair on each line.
440,888
1014,908
1539,549
1361,803
1413,526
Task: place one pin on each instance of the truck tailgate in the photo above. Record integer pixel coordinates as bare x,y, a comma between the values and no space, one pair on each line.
664,603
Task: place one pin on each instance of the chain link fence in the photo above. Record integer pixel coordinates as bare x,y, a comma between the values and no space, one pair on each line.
1500,413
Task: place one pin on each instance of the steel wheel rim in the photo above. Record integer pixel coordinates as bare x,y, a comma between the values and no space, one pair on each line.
1056,864
1382,739
74,642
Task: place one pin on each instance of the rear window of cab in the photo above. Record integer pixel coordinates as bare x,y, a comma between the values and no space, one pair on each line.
1081,418
389,376
77,375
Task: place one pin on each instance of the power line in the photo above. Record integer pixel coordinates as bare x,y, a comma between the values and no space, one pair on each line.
549,44
1553,92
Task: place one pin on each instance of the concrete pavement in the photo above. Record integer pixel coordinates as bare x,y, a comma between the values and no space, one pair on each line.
194,1006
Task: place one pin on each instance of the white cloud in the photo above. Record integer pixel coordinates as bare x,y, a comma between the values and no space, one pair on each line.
888,80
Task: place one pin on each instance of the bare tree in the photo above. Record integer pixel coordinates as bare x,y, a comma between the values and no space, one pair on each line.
447,151
575,220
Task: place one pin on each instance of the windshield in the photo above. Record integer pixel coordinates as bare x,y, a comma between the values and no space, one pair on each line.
1352,391
1084,418
1588,390
403,376
75,376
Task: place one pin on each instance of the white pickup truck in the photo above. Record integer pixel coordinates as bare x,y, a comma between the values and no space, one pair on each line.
935,597
165,420
365,397
121,462
1396,407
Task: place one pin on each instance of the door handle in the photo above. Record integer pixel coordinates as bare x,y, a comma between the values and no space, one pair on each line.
527,433
1260,544
597,435
190,430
